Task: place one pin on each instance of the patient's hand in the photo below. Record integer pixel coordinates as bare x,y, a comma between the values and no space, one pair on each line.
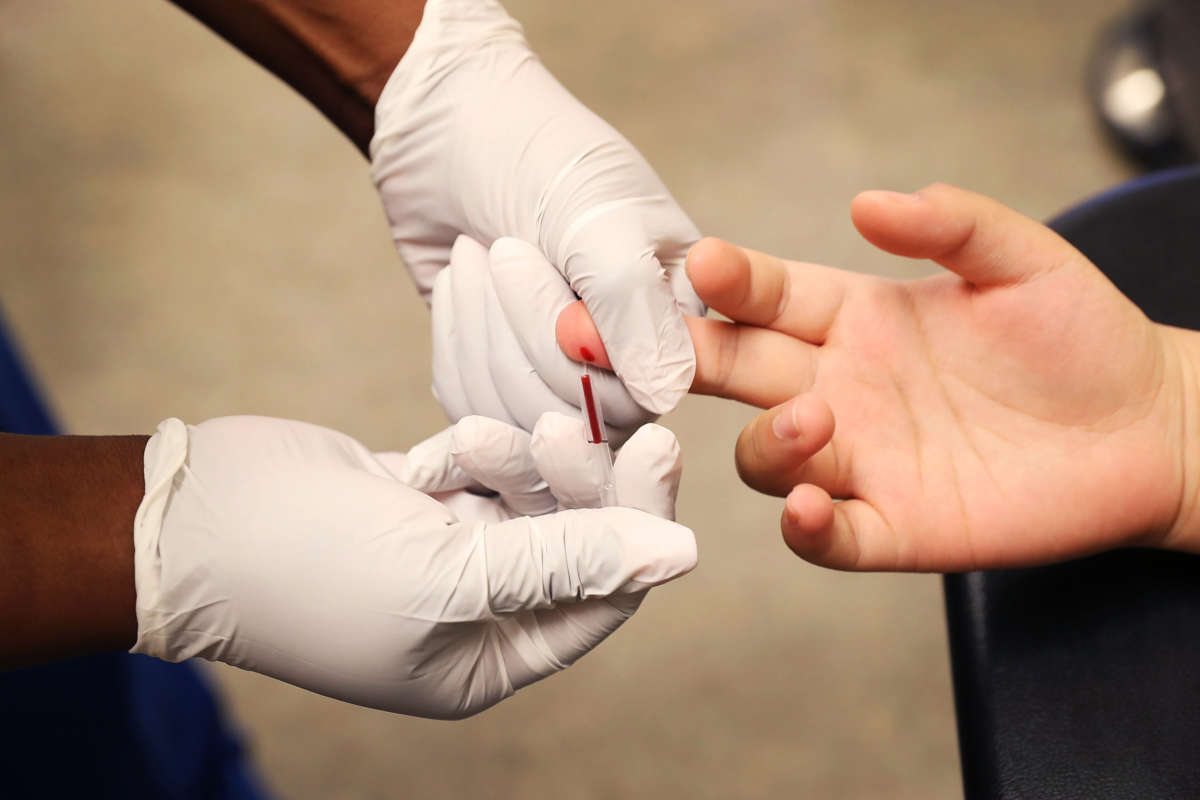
1016,410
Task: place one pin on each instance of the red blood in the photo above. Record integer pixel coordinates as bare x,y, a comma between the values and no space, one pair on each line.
589,404
586,354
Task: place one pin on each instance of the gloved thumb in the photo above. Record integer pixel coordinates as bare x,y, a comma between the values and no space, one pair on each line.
626,549
647,475
616,271
574,555
531,292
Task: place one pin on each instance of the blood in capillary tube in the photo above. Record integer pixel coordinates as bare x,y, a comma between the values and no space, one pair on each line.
593,418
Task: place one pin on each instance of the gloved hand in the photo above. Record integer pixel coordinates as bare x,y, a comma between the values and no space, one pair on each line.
474,136
494,346
292,550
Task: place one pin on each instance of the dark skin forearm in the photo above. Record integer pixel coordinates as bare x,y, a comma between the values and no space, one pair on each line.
66,545
337,53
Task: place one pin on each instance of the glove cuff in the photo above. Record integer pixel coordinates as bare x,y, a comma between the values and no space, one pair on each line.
450,32
165,455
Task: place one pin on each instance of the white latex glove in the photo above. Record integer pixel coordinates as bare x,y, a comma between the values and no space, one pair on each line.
494,348
473,136
291,550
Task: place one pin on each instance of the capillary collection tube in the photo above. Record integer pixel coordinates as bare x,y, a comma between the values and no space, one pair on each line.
597,436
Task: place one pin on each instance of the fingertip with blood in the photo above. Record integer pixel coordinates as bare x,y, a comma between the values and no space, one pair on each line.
578,338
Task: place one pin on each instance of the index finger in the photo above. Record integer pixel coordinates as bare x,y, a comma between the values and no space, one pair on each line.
739,362
792,297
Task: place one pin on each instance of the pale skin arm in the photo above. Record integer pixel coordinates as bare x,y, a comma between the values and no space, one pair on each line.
1016,410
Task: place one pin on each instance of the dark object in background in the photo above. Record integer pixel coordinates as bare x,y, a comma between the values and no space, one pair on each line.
1082,680
1144,83
1181,67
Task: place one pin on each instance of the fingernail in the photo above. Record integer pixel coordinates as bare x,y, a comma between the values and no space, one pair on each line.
791,514
784,424
900,197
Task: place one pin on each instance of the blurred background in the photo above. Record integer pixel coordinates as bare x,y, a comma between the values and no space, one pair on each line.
184,236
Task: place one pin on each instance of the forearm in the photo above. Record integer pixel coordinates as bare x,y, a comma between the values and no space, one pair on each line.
337,53
67,505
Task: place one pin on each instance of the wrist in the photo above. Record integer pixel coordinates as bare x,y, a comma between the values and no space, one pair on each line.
164,456
419,92
1184,533
336,53
359,41
66,519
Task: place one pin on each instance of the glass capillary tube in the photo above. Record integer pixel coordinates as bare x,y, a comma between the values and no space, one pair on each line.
597,436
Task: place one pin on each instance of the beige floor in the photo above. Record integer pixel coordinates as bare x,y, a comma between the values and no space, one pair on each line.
183,236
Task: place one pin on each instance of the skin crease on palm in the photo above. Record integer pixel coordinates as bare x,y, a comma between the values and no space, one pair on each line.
1014,410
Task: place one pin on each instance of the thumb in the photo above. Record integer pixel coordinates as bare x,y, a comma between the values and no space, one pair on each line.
615,270
530,292
575,555
539,643
985,242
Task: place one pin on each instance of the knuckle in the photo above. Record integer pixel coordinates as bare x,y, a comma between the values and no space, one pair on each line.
726,357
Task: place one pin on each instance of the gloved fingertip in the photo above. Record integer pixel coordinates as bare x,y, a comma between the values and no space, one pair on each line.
660,387
685,294
482,443
428,466
648,470
470,432
466,247
658,366
630,550
668,550
553,428
654,439
509,250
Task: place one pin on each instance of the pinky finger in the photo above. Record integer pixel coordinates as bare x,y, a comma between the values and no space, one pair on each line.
851,535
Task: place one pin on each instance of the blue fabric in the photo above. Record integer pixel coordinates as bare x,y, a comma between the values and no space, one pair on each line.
111,725
21,407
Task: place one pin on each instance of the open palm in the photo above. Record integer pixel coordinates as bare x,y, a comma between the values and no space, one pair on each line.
1020,410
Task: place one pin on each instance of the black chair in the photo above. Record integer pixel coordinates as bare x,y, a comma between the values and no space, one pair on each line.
1082,679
